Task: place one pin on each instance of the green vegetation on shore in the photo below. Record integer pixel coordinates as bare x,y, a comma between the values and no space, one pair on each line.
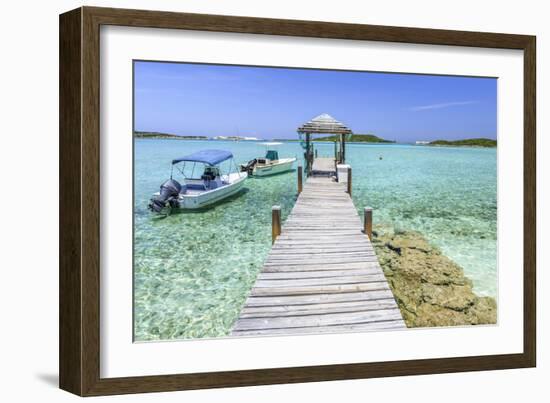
357,138
481,142
157,135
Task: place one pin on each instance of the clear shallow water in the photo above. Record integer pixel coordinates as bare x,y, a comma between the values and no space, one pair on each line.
193,271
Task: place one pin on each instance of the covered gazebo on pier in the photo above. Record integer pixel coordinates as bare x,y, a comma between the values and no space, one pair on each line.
327,125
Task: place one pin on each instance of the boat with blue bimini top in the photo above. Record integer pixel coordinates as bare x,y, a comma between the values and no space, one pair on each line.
270,164
207,187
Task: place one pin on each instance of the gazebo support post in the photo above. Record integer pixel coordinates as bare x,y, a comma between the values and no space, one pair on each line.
308,154
343,151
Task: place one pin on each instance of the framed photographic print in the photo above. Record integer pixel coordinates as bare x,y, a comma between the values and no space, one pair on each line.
249,201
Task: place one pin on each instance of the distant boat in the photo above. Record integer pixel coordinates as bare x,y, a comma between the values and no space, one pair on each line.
211,187
422,142
271,164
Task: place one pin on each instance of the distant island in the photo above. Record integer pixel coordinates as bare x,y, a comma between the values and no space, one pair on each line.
481,142
357,138
159,135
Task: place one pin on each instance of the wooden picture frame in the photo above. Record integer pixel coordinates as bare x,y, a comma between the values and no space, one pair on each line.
79,348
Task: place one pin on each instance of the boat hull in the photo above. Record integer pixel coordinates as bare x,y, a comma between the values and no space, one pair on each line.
190,201
211,197
272,169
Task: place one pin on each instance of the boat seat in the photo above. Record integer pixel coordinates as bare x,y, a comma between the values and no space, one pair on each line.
197,186
208,177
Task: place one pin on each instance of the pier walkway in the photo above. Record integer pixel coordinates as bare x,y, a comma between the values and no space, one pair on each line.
322,274
323,166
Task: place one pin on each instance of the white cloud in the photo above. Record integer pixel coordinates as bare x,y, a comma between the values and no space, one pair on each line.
442,105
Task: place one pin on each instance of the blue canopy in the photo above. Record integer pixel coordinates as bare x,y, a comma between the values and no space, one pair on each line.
210,157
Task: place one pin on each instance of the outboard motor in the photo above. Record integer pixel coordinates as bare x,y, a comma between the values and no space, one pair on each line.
169,192
249,167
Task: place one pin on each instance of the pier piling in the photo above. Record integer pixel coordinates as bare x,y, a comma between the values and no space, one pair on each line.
349,181
300,178
368,222
275,223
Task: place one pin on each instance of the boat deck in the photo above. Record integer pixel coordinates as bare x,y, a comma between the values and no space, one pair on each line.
322,274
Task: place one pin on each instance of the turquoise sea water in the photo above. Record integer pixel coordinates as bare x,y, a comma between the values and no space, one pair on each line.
193,271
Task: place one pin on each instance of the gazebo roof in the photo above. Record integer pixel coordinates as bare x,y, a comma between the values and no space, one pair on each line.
324,123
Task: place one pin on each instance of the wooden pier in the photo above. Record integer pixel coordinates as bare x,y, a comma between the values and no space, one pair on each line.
322,274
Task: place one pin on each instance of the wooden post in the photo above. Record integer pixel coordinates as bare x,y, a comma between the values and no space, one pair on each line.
275,223
299,179
335,152
343,148
341,153
315,153
368,222
308,151
349,181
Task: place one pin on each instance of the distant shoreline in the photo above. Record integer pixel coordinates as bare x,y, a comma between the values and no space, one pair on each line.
158,135
476,142
356,139
169,136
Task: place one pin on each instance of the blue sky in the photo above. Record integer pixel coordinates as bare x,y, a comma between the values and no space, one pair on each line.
213,100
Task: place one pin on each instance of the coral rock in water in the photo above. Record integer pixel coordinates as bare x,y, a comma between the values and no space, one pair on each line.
430,289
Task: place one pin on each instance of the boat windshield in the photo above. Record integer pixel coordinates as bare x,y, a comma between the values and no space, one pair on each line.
199,171
272,155
210,173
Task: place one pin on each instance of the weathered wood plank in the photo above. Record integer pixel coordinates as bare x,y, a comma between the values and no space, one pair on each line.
310,282
363,327
312,261
355,242
317,298
332,244
330,319
317,274
297,249
327,224
309,255
334,237
319,267
319,289
316,309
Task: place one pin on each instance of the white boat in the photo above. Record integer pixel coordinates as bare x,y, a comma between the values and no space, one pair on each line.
271,164
210,187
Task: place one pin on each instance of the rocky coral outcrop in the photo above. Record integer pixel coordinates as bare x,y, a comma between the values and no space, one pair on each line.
430,289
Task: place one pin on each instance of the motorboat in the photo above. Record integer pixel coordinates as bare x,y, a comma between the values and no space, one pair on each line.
202,186
270,164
